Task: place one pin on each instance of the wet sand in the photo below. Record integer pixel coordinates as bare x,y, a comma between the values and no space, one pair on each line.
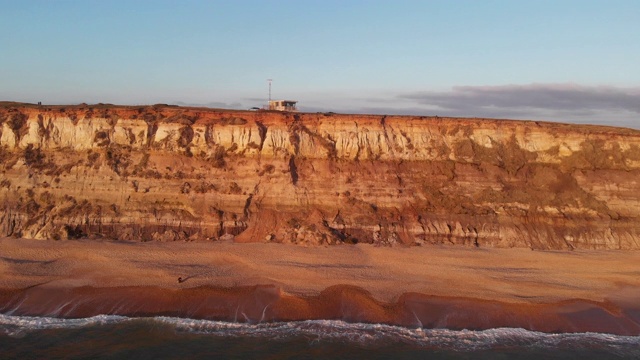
432,286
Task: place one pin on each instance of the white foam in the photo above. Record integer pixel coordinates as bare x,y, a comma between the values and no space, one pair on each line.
335,330
17,326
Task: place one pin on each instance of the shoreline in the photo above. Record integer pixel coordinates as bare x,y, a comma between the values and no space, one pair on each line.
430,287
267,303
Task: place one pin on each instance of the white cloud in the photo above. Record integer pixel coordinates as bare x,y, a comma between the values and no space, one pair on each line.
605,105
560,97
211,104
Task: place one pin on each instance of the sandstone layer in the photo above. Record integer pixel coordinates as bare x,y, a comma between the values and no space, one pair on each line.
168,173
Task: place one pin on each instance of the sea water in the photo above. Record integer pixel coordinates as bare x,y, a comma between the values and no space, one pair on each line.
118,337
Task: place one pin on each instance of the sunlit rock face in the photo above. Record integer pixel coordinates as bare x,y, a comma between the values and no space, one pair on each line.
163,173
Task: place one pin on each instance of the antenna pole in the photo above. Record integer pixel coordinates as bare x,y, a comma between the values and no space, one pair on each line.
269,80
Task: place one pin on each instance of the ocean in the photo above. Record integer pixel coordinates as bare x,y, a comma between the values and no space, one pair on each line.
120,337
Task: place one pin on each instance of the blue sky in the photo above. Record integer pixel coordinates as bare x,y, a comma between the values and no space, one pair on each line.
559,60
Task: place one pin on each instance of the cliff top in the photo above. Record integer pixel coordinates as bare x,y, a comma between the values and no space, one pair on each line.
191,115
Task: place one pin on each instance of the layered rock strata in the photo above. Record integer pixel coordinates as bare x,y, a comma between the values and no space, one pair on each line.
168,173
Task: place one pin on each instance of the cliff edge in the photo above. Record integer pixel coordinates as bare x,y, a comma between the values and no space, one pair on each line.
169,173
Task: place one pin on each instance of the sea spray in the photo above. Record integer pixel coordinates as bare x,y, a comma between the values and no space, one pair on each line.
326,333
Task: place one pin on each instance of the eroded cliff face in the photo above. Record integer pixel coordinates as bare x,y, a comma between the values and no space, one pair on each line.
169,173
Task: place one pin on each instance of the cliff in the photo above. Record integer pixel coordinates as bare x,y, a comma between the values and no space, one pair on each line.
170,173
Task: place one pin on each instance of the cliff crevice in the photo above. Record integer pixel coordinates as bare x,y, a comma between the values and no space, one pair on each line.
169,173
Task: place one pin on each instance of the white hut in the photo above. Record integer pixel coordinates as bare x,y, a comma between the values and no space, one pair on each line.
283,105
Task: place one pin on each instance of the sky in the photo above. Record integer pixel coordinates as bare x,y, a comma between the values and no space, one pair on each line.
557,60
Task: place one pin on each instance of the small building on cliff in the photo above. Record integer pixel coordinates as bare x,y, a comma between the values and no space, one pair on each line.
283,105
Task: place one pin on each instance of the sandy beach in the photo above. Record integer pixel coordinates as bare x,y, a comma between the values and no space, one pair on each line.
508,275
563,291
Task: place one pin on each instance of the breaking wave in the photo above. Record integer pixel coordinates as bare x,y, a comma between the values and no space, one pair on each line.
331,331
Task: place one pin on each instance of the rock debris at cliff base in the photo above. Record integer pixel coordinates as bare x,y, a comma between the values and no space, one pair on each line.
165,173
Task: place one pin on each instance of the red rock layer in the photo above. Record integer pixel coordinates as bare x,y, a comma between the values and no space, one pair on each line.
166,173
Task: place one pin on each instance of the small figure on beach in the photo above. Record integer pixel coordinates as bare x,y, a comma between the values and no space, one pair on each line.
180,280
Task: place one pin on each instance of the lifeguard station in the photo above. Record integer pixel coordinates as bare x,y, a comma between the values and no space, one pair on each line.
280,105
283,105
